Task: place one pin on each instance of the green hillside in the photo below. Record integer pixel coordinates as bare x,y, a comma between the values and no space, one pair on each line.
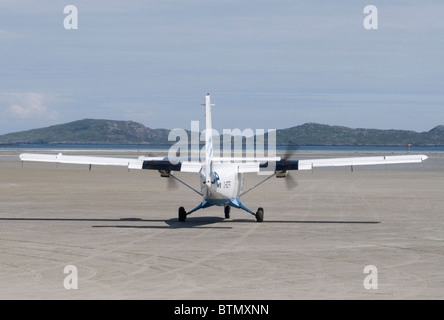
319,134
90,131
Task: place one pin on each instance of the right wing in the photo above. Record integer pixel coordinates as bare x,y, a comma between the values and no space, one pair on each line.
310,164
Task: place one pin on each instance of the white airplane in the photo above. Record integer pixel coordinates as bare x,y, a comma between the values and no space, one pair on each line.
221,178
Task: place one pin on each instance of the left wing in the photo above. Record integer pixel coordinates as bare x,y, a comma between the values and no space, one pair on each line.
150,163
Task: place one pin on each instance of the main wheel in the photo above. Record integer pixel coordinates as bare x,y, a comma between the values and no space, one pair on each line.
227,210
182,214
260,215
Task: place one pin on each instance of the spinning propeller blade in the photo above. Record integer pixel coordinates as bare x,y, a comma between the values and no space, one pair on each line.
290,182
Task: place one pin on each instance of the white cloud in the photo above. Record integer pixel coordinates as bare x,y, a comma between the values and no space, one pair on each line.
30,105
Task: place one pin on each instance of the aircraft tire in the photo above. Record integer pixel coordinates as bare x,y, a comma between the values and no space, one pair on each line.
260,215
227,210
182,214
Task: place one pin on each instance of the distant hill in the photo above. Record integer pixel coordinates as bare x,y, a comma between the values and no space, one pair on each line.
320,134
92,131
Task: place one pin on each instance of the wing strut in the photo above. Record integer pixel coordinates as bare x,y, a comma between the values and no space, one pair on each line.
185,184
257,185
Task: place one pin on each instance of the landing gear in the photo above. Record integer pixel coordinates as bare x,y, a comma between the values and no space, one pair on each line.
227,210
259,215
182,214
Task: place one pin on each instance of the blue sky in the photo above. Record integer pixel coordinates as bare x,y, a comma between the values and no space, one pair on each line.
267,64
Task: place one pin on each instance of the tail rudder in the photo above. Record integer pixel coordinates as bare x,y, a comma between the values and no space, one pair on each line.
208,130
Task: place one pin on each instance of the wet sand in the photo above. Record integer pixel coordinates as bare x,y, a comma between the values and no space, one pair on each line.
120,230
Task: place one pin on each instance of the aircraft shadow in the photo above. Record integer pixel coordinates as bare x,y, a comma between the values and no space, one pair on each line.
191,222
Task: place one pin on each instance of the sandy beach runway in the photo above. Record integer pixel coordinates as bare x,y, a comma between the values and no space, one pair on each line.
120,230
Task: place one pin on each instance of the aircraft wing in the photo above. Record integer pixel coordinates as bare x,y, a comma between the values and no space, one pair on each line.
310,164
162,163
149,163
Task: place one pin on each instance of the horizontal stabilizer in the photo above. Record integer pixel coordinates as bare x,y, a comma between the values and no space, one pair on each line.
245,159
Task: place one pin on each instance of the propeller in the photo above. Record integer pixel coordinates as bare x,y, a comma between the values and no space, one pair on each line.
172,183
290,182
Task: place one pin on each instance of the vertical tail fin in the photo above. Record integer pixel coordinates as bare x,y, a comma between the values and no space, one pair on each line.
208,130
208,140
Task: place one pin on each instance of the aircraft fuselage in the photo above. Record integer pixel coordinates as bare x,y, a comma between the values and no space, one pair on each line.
226,184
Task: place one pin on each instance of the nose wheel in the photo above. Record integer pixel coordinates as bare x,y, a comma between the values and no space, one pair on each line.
227,210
